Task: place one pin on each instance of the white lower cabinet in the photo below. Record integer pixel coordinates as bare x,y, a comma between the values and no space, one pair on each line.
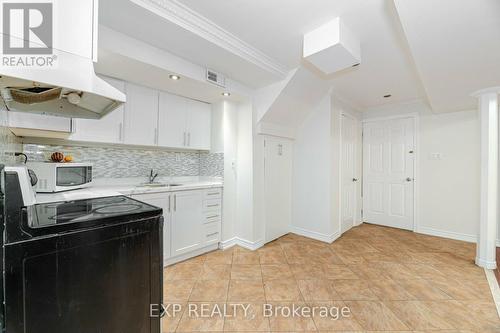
187,215
161,200
192,221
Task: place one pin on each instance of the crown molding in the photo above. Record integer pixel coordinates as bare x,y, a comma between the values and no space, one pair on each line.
194,22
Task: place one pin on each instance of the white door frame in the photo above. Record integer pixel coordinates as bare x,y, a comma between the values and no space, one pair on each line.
416,173
355,201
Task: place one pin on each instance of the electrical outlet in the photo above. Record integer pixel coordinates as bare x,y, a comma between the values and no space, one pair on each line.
435,156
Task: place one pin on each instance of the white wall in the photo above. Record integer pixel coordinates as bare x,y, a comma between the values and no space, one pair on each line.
447,188
448,200
312,163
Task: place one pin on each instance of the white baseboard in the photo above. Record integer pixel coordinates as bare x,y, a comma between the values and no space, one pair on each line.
241,242
447,234
182,257
486,264
315,235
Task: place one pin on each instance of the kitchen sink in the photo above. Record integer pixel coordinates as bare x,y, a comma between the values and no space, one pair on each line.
159,184
154,185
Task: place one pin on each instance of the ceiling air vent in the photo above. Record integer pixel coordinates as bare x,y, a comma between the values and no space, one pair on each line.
216,78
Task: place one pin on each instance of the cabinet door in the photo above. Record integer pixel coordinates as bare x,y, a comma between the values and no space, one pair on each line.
108,129
172,116
141,115
187,222
39,122
199,125
162,200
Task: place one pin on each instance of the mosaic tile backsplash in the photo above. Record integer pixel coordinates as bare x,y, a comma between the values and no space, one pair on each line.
9,143
113,162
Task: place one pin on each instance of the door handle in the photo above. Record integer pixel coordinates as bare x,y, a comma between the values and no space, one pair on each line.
409,179
355,179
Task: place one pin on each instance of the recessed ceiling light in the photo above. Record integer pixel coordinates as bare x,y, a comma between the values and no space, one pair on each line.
174,77
387,96
355,65
226,94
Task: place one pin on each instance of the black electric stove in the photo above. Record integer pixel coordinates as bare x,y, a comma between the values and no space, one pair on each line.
80,266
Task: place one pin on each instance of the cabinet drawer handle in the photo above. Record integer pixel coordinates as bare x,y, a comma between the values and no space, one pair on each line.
215,205
212,216
213,193
213,234
175,202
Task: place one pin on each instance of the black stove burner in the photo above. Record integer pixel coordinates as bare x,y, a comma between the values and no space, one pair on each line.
125,208
82,211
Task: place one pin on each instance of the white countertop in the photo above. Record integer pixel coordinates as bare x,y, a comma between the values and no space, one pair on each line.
129,186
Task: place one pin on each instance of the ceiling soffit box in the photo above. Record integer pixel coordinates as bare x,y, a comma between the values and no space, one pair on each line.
332,47
197,24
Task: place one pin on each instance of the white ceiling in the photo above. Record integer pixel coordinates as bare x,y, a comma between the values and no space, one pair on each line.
276,28
456,47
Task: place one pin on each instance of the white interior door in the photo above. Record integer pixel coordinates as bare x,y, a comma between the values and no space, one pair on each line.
388,172
348,173
278,186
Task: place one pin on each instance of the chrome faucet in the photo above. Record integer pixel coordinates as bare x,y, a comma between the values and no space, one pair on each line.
152,177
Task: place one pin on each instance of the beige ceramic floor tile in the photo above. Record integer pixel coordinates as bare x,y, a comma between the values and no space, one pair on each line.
318,290
282,290
195,319
276,272
337,321
289,317
216,272
171,320
246,272
248,319
246,291
389,290
375,316
416,315
338,272
177,291
246,258
210,291
354,290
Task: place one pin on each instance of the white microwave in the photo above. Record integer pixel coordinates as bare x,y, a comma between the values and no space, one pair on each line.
58,177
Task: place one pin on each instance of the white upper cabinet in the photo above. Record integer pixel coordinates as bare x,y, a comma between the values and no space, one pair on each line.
199,125
183,123
172,117
77,27
108,129
141,115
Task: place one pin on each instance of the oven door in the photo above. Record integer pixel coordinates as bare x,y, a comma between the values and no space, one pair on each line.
69,177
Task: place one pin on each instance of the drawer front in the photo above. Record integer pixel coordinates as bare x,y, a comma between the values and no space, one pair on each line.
214,216
214,193
212,204
212,233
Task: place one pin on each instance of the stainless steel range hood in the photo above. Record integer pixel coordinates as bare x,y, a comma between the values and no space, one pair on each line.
70,89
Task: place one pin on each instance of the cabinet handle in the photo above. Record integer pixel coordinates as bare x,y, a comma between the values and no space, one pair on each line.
214,205
212,216
213,193
184,140
169,197
156,136
212,234
120,132
175,202
189,139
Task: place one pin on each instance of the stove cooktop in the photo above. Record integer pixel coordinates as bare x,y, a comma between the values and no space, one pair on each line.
78,211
